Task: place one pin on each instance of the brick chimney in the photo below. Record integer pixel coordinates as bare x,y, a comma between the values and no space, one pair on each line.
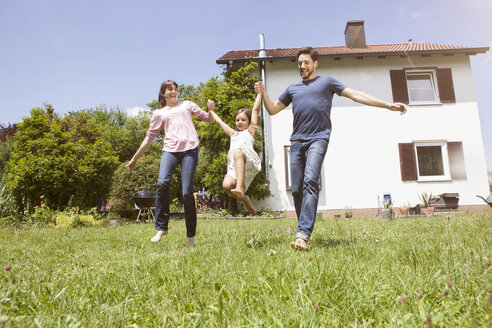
355,37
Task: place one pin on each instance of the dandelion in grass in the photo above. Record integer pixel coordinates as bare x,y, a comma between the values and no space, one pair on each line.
245,272
251,242
272,252
253,234
7,267
245,263
419,295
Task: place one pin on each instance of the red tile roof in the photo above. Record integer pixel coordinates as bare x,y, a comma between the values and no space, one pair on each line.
342,51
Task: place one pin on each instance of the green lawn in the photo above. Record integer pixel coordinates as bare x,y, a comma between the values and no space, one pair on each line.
359,272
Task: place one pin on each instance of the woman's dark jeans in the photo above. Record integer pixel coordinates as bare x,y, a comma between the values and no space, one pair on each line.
169,161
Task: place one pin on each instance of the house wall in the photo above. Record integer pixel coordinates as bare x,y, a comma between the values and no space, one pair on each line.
362,161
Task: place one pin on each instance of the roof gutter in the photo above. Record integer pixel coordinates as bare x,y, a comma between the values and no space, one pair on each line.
467,51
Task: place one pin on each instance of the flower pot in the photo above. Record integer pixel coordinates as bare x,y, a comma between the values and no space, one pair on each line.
404,210
427,209
387,213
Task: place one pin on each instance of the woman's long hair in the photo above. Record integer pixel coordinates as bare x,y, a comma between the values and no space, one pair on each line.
164,86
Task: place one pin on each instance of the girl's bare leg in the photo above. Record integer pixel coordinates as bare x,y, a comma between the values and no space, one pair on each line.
239,165
191,242
229,185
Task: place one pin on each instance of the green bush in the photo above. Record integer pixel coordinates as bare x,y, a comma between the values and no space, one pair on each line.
64,159
74,220
7,201
125,183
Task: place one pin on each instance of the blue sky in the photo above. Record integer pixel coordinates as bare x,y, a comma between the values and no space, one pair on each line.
81,54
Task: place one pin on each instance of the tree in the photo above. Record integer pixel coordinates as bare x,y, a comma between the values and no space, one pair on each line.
7,133
234,91
123,132
64,160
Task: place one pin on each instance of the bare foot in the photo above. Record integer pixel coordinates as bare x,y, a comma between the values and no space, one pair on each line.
158,236
249,205
191,242
299,244
238,193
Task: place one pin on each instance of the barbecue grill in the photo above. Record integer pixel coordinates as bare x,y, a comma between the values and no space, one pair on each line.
144,201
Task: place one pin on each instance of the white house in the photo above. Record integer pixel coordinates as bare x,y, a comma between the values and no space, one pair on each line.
436,147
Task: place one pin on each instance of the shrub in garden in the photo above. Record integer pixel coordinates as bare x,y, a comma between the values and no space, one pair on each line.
74,220
126,184
64,159
7,201
123,132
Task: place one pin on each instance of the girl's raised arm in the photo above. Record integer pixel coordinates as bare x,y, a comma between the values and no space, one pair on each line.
227,129
254,115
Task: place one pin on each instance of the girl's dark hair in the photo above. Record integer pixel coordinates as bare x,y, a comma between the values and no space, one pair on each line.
164,86
308,51
244,110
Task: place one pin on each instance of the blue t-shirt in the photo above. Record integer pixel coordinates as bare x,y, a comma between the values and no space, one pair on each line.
311,106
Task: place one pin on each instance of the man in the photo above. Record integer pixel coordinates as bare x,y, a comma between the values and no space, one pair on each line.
311,106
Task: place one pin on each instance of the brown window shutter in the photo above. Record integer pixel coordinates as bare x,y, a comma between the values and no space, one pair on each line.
445,85
408,166
456,160
399,86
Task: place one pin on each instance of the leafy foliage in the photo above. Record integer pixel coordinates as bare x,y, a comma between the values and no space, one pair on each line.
235,91
125,184
66,160
123,132
7,133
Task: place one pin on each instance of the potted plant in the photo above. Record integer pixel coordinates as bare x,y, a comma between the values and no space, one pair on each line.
426,199
348,212
387,210
405,209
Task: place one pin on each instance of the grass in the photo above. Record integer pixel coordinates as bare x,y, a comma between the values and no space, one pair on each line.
358,272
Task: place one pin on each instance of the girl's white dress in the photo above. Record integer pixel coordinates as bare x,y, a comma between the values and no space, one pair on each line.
243,140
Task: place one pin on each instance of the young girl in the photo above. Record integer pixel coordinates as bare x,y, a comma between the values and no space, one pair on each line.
243,163
173,118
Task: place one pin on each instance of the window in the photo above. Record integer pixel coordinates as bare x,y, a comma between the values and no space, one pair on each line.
432,161
422,86
288,180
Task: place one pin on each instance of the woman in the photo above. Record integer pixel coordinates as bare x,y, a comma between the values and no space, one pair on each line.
173,118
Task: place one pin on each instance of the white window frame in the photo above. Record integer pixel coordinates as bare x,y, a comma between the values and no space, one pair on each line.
433,80
445,159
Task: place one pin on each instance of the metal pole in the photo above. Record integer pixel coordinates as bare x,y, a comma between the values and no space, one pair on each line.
262,54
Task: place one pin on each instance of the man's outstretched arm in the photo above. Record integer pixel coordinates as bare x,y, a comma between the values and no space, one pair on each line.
366,99
271,107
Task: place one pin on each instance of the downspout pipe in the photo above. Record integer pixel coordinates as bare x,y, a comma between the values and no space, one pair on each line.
262,54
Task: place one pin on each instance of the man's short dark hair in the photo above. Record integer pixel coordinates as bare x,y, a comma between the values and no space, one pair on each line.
308,51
